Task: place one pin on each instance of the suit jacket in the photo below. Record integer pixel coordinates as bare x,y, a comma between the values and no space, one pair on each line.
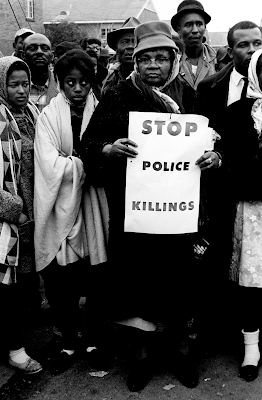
205,68
214,92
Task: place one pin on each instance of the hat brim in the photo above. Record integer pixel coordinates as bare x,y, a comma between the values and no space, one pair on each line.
153,43
113,36
175,19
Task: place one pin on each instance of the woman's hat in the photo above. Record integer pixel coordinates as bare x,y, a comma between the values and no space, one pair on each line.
153,34
188,6
128,26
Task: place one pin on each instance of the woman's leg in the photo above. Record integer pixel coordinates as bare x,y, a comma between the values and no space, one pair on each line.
63,294
250,311
12,325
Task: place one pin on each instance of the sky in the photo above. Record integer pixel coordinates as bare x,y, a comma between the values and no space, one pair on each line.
224,13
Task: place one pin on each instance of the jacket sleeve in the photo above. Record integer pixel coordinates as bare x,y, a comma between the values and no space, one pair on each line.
11,207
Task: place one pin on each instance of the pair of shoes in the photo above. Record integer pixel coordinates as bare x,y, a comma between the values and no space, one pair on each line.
140,374
248,372
62,363
30,366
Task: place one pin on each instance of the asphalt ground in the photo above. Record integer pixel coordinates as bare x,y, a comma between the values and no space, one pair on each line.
218,371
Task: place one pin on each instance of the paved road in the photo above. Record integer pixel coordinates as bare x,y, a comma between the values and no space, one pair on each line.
218,376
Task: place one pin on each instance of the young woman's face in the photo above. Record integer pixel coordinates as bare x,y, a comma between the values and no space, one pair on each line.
18,88
76,87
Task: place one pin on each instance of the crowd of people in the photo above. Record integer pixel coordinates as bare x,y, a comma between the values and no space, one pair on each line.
64,150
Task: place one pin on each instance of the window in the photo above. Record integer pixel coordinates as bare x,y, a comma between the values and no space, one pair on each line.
30,9
104,32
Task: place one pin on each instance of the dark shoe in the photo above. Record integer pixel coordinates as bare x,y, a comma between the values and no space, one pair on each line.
189,377
62,363
187,372
140,374
50,350
98,359
248,372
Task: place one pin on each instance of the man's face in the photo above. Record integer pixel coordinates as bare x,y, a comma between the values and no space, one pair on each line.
94,47
37,51
18,46
246,42
125,48
191,30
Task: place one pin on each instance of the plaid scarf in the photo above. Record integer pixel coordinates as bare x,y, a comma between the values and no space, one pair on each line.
10,153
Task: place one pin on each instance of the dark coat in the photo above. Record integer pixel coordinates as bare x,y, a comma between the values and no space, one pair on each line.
145,272
241,154
214,92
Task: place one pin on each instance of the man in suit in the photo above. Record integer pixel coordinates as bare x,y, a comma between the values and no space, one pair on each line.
198,59
225,87
219,91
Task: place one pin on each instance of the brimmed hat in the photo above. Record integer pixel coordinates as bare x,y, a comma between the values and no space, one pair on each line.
153,34
189,6
221,53
22,32
128,26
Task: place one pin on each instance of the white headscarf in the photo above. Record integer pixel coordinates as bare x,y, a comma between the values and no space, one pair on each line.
254,92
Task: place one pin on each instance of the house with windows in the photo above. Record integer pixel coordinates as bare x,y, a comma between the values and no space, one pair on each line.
16,14
97,17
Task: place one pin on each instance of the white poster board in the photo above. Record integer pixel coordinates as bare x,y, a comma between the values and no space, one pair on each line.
163,182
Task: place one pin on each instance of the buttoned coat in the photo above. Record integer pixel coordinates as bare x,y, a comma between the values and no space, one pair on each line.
214,92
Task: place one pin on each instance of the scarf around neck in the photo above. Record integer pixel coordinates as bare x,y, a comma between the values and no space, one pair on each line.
254,92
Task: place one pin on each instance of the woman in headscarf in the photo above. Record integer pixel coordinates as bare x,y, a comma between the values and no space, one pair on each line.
17,129
70,220
241,132
145,273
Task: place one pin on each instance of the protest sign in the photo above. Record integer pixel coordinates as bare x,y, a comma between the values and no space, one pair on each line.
163,182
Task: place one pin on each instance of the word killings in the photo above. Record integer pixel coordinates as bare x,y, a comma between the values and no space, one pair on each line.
174,128
150,206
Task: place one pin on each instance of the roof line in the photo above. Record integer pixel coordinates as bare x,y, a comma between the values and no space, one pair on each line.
87,22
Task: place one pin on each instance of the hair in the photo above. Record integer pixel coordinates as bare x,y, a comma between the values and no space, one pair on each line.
86,41
65,46
239,25
74,59
18,66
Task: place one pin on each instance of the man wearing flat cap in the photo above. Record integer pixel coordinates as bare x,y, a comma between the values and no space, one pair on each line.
198,60
19,38
122,41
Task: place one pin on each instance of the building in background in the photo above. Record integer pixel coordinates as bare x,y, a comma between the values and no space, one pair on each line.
16,14
97,17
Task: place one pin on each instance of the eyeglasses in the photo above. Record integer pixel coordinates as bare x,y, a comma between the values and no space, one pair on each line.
159,61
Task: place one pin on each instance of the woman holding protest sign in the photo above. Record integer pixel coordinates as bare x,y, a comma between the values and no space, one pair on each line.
152,279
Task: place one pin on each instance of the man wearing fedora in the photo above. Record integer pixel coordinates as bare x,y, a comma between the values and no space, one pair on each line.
198,60
122,41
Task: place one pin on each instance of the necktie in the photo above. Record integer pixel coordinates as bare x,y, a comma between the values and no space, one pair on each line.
244,90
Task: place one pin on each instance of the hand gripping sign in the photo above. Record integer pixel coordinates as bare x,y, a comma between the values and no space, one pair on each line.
163,182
